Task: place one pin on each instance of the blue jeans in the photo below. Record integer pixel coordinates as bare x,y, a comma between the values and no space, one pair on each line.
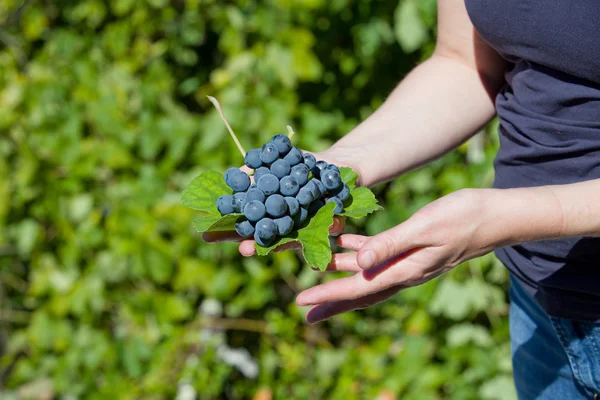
553,358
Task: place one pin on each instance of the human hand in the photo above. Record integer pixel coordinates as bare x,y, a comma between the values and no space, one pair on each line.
437,238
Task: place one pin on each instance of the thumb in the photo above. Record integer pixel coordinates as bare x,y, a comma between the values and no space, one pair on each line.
386,245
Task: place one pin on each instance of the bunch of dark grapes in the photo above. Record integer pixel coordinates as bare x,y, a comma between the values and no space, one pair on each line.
289,187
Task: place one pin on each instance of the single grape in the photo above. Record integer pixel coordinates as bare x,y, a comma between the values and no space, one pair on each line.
339,206
239,181
269,153
300,173
313,189
254,210
239,199
320,187
342,193
283,143
284,225
331,167
269,184
280,168
293,205
276,205
225,204
294,156
265,229
288,186
229,173
315,206
254,193
316,170
252,159
260,172
305,196
263,242
244,229
300,218
309,160
331,179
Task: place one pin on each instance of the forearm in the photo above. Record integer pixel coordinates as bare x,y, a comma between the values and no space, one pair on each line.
438,106
545,212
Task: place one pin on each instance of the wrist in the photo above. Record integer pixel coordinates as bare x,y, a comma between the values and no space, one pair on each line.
487,231
348,157
522,215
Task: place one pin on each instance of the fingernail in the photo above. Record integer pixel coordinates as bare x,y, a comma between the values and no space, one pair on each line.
366,259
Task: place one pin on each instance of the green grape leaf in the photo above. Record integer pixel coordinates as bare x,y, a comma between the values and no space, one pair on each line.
313,238
202,195
212,223
349,176
204,191
362,202
411,31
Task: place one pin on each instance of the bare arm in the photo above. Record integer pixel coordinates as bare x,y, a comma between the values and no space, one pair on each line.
438,106
546,212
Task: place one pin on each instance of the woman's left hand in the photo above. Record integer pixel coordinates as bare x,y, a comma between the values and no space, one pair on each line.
437,238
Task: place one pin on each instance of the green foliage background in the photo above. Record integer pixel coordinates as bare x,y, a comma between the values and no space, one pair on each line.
107,291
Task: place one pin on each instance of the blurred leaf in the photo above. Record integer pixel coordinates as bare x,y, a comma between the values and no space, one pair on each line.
463,334
193,274
172,308
328,361
410,30
27,234
450,300
499,388
80,207
34,23
158,263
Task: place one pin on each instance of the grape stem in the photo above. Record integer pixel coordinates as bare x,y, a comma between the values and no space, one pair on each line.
290,132
235,139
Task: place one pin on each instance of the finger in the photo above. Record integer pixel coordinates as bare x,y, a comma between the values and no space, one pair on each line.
340,289
352,242
247,248
388,244
325,311
349,288
225,236
344,262
338,226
